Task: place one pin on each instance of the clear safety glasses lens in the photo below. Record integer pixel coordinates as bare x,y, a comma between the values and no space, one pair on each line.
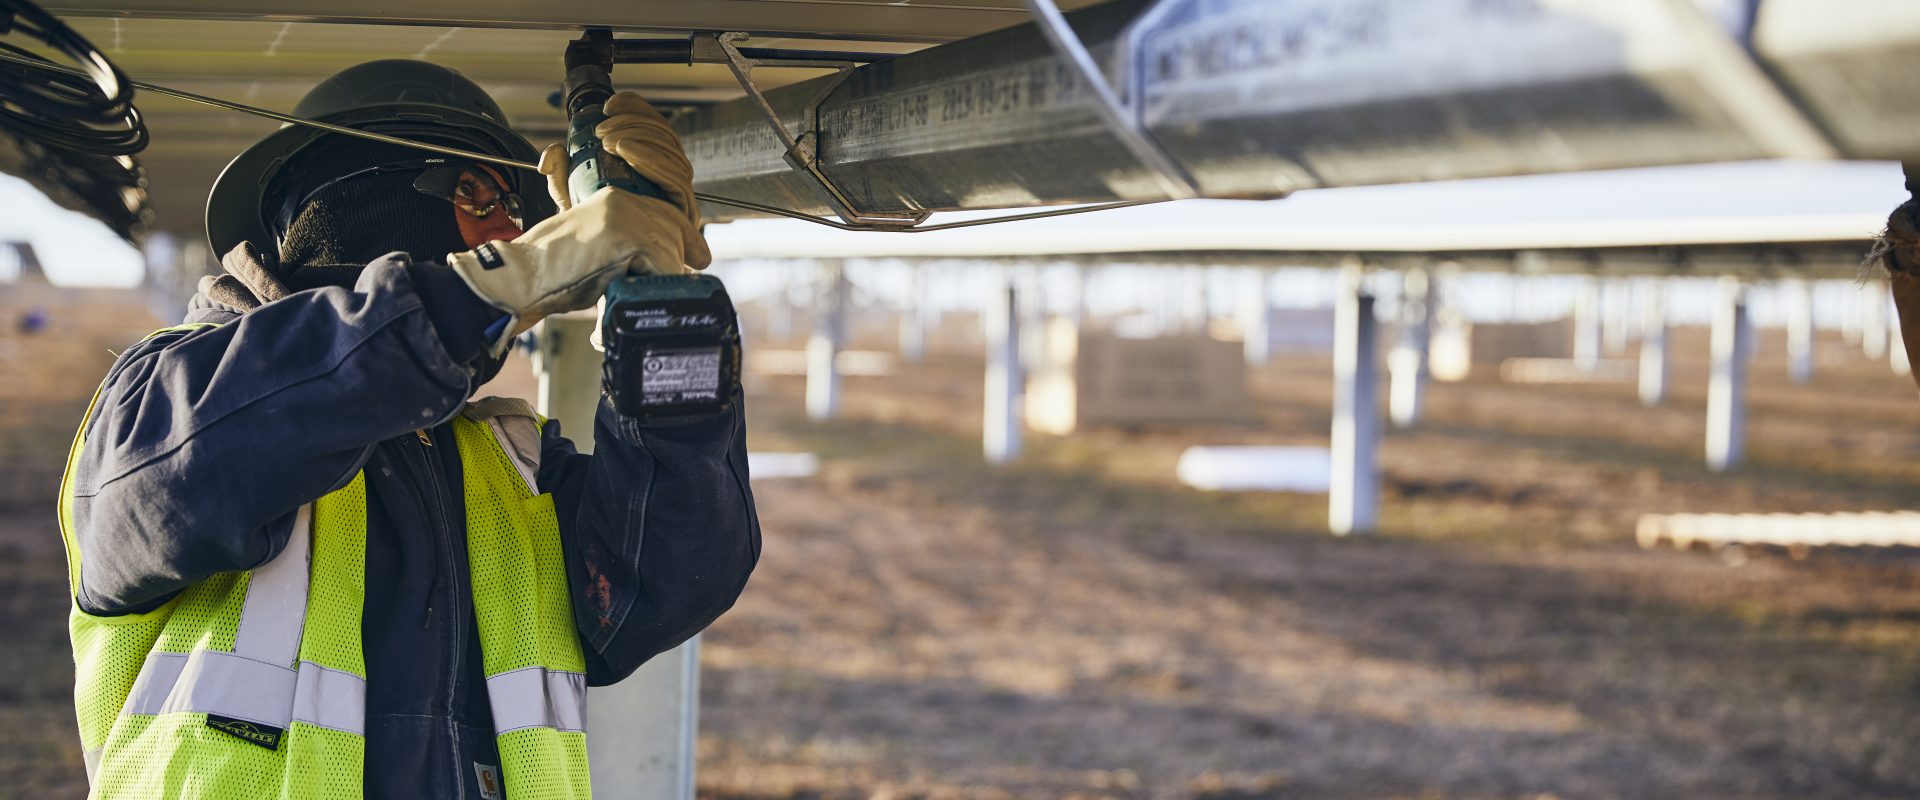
472,189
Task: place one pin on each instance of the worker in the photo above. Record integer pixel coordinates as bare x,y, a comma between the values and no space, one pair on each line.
304,564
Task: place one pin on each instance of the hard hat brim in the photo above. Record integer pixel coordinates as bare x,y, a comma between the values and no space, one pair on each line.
238,204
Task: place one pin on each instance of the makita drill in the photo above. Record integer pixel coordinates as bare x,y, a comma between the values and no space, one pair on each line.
672,341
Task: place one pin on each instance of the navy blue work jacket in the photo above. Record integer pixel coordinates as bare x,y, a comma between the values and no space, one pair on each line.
204,444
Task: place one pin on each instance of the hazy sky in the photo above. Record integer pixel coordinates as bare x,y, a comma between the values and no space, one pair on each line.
74,249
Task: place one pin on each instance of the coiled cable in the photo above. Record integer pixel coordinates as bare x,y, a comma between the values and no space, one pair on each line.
76,129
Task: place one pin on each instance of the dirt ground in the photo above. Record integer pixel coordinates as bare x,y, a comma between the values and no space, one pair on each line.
1078,625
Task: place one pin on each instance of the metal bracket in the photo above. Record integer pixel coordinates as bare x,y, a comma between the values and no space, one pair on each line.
1122,114
803,148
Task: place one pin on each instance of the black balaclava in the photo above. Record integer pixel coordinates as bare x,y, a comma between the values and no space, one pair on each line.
344,226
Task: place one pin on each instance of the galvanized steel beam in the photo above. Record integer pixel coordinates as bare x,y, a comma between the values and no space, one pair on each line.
1258,98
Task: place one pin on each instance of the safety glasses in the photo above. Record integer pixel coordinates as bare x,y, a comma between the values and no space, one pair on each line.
472,188
469,186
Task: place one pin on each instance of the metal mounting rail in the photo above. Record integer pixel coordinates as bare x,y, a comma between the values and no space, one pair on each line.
803,148
1140,99
855,224
1121,112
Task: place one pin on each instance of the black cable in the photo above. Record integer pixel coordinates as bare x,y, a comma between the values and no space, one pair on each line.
77,131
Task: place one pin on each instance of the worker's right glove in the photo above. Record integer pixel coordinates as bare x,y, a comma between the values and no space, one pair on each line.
566,262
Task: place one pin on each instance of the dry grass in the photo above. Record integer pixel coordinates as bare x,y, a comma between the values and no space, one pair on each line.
1079,626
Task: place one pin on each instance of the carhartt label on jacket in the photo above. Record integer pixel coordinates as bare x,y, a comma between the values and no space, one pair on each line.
488,776
252,733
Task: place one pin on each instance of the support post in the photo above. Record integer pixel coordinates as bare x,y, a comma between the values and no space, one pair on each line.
1407,364
166,282
1081,278
780,310
645,727
1727,389
1196,301
1354,491
1616,316
1850,323
1001,436
913,318
1873,319
1032,313
1653,346
1799,297
1586,326
1256,318
823,347
1897,352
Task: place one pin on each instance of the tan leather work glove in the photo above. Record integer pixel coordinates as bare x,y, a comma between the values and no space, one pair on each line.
566,262
636,132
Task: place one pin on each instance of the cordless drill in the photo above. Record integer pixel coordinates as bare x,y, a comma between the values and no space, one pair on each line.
672,341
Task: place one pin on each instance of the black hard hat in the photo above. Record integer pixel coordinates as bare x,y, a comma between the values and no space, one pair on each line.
414,100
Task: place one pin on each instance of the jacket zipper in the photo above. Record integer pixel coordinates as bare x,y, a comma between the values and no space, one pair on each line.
442,538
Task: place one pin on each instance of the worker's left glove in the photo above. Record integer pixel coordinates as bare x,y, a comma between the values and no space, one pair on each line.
636,132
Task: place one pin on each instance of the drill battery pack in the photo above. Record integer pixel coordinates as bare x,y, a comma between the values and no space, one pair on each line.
672,344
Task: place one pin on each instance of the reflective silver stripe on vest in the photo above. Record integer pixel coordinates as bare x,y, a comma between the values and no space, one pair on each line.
330,698
92,757
211,682
276,606
536,697
519,438
214,683
262,680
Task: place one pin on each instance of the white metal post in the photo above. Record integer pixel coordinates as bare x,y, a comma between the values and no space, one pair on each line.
913,317
1032,313
644,728
1196,299
1850,323
823,347
1353,495
1256,317
780,309
1001,437
1617,316
1081,278
1799,297
1586,326
1874,298
1407,363
1727,389
1897,351
1653,346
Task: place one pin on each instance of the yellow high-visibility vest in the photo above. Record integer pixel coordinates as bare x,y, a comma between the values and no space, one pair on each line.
251,684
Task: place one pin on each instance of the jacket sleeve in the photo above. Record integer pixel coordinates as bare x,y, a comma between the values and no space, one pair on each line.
202,443
659,530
